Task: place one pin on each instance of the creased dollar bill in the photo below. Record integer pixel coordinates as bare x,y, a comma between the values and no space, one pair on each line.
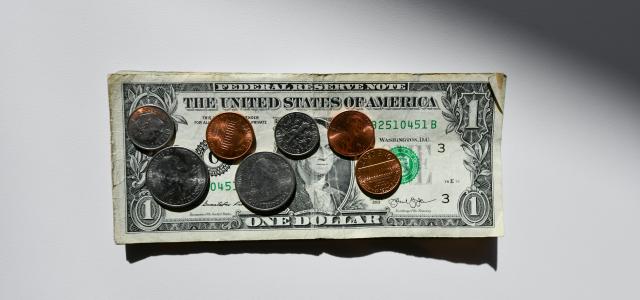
444,128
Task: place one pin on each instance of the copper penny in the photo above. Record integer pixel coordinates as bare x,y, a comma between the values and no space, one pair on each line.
351,133
230,136
378,172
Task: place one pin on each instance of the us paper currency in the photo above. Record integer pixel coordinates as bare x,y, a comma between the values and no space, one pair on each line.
444,128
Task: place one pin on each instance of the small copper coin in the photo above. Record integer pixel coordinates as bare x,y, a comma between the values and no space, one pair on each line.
150,128
230,136
351,133
378,172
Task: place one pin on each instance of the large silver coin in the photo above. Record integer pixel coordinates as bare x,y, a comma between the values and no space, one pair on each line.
150,128
265,182
297,134
177,178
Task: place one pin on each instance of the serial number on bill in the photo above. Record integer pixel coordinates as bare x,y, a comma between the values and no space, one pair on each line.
404,124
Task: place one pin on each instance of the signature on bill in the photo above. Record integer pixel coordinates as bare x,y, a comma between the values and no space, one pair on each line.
222,203
413,202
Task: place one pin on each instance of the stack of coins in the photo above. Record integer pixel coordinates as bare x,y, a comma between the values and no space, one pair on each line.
265,182
378,171
176,177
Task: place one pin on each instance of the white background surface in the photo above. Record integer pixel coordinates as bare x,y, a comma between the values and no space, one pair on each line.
570,145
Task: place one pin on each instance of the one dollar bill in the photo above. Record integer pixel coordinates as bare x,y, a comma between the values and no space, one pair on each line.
444,128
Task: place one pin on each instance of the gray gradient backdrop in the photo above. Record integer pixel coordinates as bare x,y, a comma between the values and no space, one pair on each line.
571,140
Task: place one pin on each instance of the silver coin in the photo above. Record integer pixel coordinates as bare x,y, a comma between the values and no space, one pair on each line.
150,128
297,134
265,182
177,178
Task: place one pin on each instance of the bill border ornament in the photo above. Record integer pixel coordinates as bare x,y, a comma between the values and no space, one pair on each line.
474,207
146,213
217,167
467,114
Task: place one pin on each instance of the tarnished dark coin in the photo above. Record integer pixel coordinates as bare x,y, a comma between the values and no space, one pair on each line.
177,178
378,172
150,128
265,182
351,133
230,136
297,134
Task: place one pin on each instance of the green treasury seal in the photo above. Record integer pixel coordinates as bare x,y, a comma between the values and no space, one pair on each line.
409,162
